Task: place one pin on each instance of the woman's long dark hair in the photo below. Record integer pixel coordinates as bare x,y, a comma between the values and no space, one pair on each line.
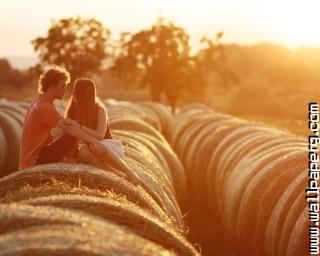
85,110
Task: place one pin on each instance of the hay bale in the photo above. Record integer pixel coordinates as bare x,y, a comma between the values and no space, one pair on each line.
159,191
263,191
253,176
3,149
135,125
280,211
155,152
80,176
177,173
123,109
66,239
18,216
23,104
163,112
203,171
201,140
295,211
178,128
14,110
227,141
147,152
27,192
12,132
123,213
299,238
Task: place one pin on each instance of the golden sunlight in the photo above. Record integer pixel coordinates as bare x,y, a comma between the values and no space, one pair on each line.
293,22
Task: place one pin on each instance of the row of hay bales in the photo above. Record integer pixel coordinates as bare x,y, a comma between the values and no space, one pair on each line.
251,176
72,209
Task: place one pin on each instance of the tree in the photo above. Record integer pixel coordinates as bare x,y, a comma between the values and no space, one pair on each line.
212,58
11,76
158,58
79,45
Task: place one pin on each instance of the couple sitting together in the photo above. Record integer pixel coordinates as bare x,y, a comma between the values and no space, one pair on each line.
86,136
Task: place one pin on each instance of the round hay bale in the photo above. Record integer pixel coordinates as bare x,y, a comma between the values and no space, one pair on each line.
177,173
187,139
176,121
201,140
203,171
239,180
280,211
147,168
184,125
66,239
14,110
24,105
123,213
135,125
299,238
163,112
18,216
241,149
123,113
223,144
294,213
3,149
12,132
54,188
159,191
254,178
122,109
194,106
262,191
80,176
147,154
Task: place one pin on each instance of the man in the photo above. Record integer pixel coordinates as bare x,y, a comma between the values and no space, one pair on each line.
37,146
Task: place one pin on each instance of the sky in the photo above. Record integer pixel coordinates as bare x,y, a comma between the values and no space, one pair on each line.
293,23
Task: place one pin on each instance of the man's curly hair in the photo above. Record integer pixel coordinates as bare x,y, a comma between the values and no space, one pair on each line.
52,77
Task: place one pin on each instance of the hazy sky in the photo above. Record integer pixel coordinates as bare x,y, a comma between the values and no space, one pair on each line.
293,23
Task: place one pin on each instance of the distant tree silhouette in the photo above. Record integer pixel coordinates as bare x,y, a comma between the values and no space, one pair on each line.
159,58
78,44
212,58
12,76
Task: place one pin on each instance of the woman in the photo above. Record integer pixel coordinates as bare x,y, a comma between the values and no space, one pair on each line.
89,112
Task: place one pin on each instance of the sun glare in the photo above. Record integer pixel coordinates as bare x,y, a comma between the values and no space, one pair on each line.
296,23
293,23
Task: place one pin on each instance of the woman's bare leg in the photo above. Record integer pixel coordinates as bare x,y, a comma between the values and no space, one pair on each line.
112,158
86,156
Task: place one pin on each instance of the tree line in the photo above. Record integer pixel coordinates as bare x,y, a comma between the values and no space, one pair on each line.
159,57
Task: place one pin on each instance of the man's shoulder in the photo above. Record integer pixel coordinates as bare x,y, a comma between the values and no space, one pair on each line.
43,104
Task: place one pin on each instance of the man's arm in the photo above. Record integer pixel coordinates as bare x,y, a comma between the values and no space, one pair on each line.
73,128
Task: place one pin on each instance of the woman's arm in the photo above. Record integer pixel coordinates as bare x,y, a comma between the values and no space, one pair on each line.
100,132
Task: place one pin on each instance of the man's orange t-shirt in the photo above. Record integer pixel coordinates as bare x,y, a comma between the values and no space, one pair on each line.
36,131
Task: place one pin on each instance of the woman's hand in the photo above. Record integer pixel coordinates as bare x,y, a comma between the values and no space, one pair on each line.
68,121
